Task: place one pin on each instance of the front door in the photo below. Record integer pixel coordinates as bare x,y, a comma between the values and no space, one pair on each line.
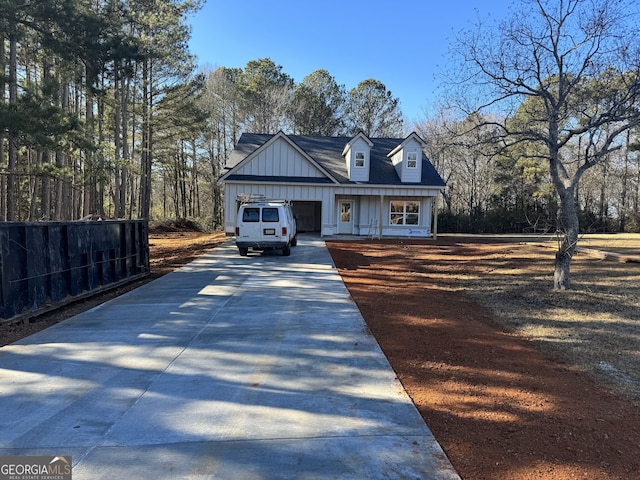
345,222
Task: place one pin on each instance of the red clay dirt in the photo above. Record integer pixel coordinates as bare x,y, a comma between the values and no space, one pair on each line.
500,408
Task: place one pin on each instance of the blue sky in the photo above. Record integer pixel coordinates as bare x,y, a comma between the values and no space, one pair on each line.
402,43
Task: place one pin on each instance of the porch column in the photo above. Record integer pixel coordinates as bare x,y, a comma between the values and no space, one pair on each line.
435,217
381,216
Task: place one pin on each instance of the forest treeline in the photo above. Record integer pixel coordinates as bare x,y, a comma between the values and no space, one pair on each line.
103,112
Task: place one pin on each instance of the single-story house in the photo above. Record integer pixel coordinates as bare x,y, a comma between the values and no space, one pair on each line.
338,185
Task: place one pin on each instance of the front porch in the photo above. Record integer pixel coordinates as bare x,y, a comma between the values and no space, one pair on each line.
381,216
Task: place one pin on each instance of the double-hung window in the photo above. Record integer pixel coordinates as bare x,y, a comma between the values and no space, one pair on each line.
412,160
404,212
360,159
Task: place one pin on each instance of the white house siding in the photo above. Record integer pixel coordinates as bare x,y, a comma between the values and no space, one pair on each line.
411,174
399,160
370,217
279,168
277,191
280,159
359,174
366,205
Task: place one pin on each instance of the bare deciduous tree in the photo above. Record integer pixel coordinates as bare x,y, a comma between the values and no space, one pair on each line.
576,65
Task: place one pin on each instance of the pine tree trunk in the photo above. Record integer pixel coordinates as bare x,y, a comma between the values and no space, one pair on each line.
61,205
46,188
195,182
13,143
124,110
145,157
117,137
3,183
87,200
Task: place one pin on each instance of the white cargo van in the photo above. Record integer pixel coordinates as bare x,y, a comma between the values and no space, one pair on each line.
266,225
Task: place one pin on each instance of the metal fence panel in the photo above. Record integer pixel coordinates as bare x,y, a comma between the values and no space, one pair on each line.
49,263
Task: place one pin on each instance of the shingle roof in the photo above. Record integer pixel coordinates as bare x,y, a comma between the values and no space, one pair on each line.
327,152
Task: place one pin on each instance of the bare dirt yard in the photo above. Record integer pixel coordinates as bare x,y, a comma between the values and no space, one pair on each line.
516,381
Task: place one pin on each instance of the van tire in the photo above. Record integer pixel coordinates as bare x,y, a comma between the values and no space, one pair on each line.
286,251
294,241
243,251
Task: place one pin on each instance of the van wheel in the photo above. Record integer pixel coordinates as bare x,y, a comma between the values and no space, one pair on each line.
294,241
243,251
286,251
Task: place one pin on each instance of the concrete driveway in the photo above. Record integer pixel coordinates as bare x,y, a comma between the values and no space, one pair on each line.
257,367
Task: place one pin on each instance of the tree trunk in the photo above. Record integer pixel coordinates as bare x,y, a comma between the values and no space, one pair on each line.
3,183
145,156
13,143
124,131
623,211
195,182
34,162
562,270
99,124
568,231
63,208
119,177
46,189
183,179
603,201
568,223
176,190
87,199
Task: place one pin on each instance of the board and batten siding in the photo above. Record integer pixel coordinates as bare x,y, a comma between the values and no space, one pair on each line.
359,174
280,159
367,202
369,212
301,193
400,162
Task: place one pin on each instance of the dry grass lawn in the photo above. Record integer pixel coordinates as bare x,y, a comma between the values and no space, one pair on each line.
594,327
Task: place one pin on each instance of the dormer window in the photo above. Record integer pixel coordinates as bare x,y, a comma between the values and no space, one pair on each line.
412,160
357,153
407,159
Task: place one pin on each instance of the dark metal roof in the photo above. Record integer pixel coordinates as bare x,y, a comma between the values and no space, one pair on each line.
327,152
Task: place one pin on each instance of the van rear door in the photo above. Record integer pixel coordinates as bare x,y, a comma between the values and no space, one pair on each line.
271,223
250,226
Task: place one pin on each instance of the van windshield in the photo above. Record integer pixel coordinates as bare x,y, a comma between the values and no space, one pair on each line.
251,215
270,215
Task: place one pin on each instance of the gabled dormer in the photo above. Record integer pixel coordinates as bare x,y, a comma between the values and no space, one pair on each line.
357,154
407,159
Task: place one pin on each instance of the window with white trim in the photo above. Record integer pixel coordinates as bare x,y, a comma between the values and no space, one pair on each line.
404,212
412,160
360,158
